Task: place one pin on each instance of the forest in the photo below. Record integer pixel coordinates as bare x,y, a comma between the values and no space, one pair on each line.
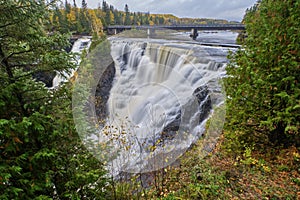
79,19
42,157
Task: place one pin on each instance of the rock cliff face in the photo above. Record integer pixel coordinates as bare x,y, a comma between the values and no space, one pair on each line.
205,105
204,101
45,77
103,90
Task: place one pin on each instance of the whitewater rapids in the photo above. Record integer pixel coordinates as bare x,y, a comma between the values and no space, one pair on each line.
162,95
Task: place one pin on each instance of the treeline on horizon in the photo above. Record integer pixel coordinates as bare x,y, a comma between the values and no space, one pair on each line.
80,19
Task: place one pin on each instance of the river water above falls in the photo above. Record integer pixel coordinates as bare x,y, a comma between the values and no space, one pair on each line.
161,95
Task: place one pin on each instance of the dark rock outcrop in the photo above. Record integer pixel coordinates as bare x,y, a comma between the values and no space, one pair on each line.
45,77
103,91
204,100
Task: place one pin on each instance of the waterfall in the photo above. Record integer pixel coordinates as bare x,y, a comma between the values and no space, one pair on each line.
161,97
78,46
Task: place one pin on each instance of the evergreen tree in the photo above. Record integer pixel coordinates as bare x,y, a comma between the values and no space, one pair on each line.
84,5
111,8
108,17
84,18
117,17
61,21
104,6
41,155
161,20
263,77
140,18
77,27
67,7
74,3
127,16
135,19
146,18
156,20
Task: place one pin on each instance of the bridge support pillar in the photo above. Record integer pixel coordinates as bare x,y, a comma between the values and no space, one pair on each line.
112,31
194,33
150,32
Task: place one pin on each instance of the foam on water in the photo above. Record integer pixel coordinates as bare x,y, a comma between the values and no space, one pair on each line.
154,85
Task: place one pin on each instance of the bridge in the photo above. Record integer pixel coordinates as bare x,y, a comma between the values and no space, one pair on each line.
112,30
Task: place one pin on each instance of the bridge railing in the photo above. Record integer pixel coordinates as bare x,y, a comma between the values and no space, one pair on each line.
193,28
200,26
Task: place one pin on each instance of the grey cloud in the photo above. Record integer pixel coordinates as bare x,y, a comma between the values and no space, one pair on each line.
221,9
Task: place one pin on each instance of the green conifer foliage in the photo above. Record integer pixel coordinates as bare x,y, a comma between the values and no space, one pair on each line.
263,77
41,156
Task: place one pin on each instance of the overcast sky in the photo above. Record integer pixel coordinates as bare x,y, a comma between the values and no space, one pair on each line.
219,9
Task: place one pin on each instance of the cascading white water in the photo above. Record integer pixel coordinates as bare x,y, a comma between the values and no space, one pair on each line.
78,46
158,85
